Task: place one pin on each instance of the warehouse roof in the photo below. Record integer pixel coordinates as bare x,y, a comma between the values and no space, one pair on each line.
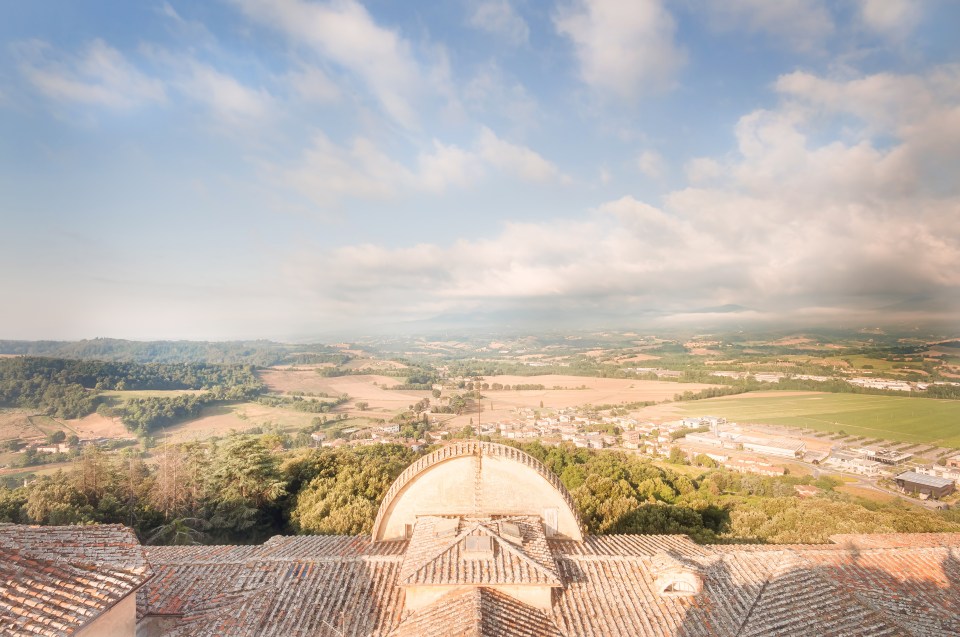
924,479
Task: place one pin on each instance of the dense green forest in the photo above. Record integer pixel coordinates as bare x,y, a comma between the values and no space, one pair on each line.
244,488
69,388
261,353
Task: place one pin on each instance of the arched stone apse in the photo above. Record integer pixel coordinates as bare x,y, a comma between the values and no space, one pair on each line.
476,478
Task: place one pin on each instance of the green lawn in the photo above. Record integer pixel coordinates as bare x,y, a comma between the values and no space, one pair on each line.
888,417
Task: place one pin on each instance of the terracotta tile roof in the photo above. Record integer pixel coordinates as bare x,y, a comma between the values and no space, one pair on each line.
446,560
224,554
797,601
112,544
915,588
477,612
56,580
892,585
629,545
352,597
288,586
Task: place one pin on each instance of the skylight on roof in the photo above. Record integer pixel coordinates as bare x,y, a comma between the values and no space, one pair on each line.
446,527
479,545
511,531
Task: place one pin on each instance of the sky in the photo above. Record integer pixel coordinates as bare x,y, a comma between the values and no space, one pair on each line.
290,168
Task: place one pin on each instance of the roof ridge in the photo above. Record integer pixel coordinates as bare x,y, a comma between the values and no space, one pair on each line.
522,555
446,548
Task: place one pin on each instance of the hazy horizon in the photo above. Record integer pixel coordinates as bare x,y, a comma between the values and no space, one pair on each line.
289,169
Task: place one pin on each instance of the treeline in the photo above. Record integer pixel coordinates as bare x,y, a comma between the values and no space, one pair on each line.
709,392
834,386
126,376
143,415
68,388
244,488
260,353
240,489
473,385
416,377
617,493
300,403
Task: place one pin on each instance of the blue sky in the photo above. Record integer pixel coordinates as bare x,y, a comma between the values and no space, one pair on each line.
287,168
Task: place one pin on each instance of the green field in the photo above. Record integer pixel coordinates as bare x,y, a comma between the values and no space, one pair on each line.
888,417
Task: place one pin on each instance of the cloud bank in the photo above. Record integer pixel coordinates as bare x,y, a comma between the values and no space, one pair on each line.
785,224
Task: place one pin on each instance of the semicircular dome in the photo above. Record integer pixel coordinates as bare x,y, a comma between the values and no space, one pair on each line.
476,478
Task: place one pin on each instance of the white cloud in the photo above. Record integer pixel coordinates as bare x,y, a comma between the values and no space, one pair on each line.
224,94
624,49
702,169
515,159
313,85
492,94
194,32
799,24
445,166
788,224
895,18
327,172
100,76
500,18
650,163
624,250
345,33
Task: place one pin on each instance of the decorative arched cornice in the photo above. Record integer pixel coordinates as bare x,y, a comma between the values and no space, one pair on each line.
462,449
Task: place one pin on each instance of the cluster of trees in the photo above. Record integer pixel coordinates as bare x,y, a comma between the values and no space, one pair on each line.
51,397
240,489
143,415
709,392
471,386
246,487
300,403
418,378
68,388
616,493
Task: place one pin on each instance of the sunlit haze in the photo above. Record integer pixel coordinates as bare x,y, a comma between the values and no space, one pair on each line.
288,169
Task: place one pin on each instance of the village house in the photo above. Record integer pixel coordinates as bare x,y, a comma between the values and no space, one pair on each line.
631,439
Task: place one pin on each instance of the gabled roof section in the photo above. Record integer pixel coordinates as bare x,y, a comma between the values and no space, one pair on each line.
438,558
56,580
477,612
